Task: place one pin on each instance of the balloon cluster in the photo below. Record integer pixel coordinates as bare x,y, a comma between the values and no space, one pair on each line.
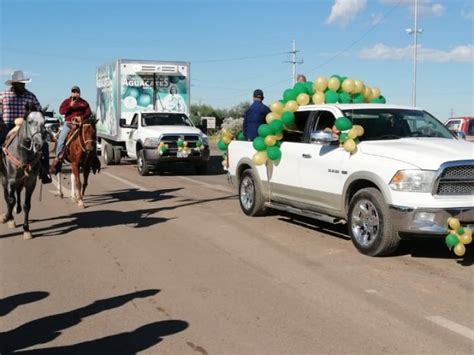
225,137
163,148
458,236
348,134
182,146
268,142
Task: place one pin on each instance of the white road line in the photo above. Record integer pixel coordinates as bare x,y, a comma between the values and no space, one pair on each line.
210,186
371,291
126,182
452,326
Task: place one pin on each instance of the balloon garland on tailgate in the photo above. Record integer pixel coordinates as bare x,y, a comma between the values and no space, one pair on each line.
458,237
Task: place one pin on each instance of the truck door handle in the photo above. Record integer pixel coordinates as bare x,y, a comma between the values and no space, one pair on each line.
306,156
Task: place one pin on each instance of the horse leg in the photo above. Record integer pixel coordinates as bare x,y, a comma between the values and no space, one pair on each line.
59,190
9,193
76,171
29,188
85,173
73,187
18,200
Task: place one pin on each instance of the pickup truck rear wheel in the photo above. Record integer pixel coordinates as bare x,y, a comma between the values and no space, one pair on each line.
142,165
108,152
369,224
250,197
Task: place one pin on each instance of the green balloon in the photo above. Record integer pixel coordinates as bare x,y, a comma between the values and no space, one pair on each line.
382,99
259,144
274,153
343,137
264,130
288,118
278,144
344,98
343,123
376,100
283,102
300,88
289,94
358,98
331,97
240,136
180,143
221,145
460,230
277,126
451,240
309,88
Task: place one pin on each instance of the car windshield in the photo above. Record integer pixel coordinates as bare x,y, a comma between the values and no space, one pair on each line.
165,119
381,124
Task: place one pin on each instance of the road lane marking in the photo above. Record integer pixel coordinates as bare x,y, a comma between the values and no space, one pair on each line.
371,291
126,182
452,326
210,186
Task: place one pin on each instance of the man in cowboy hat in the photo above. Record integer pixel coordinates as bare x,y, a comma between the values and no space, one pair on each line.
13,103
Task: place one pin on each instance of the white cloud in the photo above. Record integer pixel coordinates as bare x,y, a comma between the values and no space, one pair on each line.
425,7
467,14
462,53
344,11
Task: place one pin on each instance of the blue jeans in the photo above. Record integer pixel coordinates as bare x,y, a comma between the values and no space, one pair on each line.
4,129
62,138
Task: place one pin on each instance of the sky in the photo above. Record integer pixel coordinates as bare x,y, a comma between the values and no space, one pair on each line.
236,46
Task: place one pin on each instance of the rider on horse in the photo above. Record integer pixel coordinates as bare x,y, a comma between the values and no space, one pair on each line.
75,109
13,104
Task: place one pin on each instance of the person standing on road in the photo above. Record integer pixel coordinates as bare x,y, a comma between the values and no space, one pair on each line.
13,103
73,108
255,115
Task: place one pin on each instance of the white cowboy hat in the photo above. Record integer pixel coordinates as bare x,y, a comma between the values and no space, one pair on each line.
18,77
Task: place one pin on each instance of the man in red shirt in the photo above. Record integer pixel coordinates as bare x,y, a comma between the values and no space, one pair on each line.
73,108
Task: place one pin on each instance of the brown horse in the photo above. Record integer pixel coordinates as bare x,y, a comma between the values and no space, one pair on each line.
80,153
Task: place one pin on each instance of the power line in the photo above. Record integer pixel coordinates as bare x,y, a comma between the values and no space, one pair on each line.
293,60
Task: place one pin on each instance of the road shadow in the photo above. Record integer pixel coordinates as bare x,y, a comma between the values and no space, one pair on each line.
8,304
421,247
46,329
128,195
108,218
127,343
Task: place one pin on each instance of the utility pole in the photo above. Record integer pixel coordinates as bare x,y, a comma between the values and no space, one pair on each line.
293,60
414,32
451,113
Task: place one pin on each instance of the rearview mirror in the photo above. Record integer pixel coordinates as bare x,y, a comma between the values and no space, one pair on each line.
323,138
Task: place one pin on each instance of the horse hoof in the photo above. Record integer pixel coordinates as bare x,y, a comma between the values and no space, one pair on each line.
27,236
80,203
11,224
3,218
18,210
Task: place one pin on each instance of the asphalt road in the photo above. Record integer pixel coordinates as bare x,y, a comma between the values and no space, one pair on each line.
169,264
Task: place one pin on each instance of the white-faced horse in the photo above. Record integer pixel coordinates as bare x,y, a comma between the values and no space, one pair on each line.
20,166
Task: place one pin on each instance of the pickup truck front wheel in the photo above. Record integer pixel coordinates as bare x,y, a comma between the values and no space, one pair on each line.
369,224
142,165
250,197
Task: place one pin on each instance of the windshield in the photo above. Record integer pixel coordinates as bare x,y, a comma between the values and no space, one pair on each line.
165,119
380,124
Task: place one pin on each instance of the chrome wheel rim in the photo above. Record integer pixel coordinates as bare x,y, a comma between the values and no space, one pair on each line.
140,163
247,192
365,223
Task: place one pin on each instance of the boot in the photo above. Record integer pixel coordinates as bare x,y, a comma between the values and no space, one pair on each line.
45,177
57,164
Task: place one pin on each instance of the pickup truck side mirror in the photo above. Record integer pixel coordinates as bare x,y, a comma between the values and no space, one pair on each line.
123,124
323,138
458,134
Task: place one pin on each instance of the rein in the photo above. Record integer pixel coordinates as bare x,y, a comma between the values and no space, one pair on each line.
82,139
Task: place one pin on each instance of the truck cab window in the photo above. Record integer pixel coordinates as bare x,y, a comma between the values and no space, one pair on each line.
134,120
297,132
325,120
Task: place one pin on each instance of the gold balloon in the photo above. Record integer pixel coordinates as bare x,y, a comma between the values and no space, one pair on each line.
277,107
468,231
291,106
459,249
352,134
359,87
359,130
318,98
348,85
367,94
225,132
465,238
271,116
185,143
454,223
279,136
270,140
320,84
226,139
350,146
260,158
375,92
333,84
224,163
302,99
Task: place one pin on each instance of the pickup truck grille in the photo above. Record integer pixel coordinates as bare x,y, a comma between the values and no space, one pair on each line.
455,178
172,140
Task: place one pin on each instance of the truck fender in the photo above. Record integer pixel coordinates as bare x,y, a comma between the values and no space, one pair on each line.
247,163
363,179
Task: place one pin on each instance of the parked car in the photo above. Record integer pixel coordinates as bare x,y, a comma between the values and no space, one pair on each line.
462,126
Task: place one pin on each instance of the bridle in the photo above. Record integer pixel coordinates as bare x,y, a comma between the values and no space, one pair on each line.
82,139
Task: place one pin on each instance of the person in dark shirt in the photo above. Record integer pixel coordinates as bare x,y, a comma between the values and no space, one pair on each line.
255,115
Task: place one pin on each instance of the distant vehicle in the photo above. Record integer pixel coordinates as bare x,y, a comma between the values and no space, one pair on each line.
462,126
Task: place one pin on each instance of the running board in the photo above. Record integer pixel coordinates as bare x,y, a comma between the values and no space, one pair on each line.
305,213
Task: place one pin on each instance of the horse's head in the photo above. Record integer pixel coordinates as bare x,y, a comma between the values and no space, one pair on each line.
34,131
89,135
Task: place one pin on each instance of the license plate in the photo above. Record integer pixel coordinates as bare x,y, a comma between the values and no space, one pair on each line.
182,154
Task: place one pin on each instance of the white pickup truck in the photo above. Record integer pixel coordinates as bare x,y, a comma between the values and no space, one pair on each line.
408,175
150,129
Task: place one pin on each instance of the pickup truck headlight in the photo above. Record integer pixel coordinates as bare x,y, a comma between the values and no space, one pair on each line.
413,180
151,142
